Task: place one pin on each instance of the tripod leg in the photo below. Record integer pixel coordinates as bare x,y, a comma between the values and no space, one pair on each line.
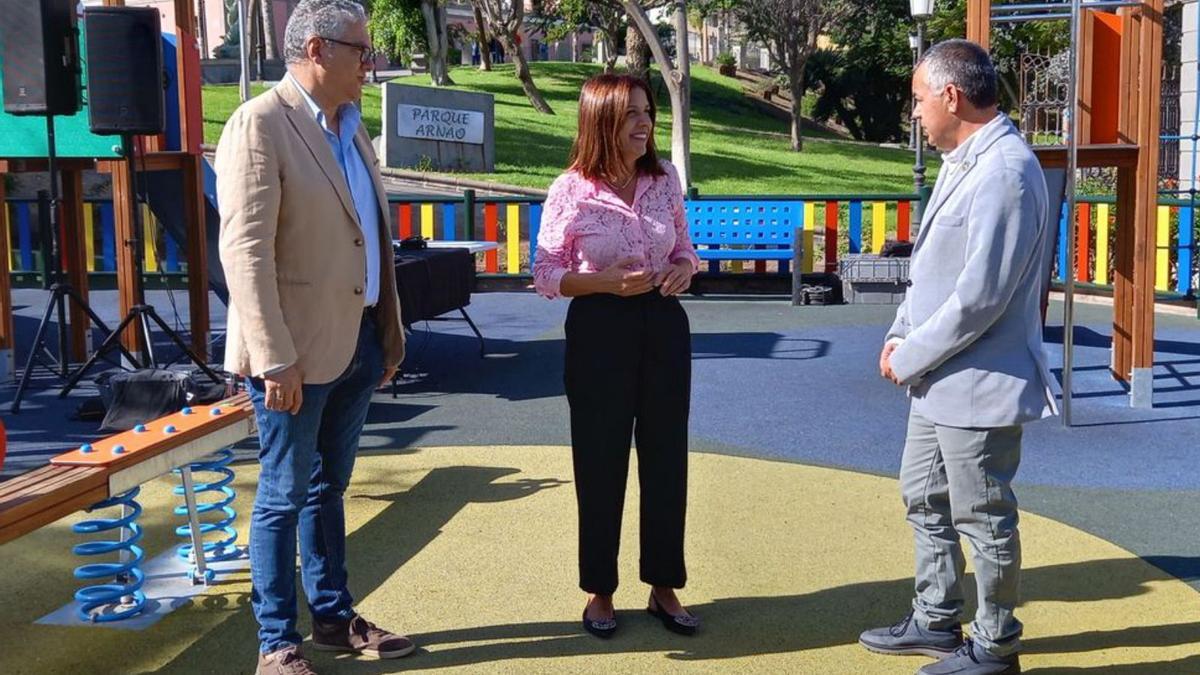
144,322
114,336
63,358
482,344
183,346
98,322
37,343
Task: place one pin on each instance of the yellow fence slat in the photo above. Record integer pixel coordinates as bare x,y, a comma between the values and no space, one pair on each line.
427,221
89,240
150,263
810,226
512,245
1163,255
1101,275
878,226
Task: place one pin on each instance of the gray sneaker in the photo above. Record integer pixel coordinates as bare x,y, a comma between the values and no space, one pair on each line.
908,637
971,659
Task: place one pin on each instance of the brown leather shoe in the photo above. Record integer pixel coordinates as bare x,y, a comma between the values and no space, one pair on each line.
285,661
360,636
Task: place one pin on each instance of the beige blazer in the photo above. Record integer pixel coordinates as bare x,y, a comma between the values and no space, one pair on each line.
291,244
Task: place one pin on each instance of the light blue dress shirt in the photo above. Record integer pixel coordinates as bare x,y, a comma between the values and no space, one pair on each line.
358,179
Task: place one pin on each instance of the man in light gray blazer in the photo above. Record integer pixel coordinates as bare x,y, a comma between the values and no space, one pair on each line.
967,342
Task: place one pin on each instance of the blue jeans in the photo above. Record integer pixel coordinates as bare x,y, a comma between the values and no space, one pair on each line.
306,463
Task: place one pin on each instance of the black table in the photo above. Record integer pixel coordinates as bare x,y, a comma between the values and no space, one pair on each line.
435,281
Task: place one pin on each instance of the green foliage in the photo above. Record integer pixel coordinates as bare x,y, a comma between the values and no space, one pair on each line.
559,18
398,28
698,10
1008,43
865,84
725,59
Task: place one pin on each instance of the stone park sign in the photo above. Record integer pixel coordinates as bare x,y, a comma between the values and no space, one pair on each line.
439,129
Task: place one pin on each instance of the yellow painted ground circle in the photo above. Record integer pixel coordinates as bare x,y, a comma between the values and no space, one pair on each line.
472,552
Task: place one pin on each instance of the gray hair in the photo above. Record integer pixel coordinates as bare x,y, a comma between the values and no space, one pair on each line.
320,18
965,65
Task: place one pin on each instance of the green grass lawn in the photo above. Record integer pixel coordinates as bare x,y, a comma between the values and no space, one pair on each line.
736,148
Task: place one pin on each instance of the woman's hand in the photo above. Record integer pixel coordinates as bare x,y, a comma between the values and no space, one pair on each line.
677,278
618,279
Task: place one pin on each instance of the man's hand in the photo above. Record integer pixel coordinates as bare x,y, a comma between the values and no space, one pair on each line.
885,362
676,279
619,280
284,390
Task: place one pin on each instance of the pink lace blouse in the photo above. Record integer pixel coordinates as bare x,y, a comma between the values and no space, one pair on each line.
586,227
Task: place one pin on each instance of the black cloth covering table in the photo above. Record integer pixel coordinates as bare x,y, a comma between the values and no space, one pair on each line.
433,281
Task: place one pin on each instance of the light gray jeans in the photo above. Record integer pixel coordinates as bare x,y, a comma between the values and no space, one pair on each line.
959,481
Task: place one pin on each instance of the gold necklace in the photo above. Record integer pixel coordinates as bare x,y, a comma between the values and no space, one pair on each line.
624,185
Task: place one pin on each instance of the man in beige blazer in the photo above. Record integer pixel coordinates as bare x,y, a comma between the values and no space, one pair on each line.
314,321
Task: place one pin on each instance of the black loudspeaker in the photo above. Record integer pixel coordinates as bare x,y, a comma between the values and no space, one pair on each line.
41,57
125,70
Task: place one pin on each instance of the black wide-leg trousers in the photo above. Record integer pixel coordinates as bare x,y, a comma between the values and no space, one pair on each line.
628,374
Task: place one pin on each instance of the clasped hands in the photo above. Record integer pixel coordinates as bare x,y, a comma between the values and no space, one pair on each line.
885,362
618,279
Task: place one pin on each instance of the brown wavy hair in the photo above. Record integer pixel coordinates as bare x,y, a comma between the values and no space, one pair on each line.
596,153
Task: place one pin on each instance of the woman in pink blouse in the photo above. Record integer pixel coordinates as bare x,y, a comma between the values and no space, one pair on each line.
614,239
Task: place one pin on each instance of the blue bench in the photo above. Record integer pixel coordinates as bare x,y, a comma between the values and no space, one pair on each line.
749,230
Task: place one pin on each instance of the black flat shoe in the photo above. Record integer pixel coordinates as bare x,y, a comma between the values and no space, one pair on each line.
602,628
683,624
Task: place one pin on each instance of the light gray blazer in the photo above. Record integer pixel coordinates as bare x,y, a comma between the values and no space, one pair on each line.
971,321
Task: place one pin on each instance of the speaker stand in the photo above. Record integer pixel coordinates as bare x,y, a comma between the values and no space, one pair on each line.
60,291
144,314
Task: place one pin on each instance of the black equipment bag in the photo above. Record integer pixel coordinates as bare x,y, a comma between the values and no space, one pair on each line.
896,249
133,398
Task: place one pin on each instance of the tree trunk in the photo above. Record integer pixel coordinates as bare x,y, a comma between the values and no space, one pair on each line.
677,79
435,35
268,22
607,51
637,53
681,98
796,85
704,57
509,42
255,46
485,52
444,40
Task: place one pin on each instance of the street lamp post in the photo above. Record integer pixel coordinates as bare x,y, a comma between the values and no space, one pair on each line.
920,10
913,46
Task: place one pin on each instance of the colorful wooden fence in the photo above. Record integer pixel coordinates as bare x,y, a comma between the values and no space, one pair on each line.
1095,244
858,223
19,221
833,225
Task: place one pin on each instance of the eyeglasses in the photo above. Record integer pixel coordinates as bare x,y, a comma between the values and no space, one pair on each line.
366,54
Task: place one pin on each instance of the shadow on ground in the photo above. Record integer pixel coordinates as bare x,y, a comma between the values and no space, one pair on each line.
733,627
